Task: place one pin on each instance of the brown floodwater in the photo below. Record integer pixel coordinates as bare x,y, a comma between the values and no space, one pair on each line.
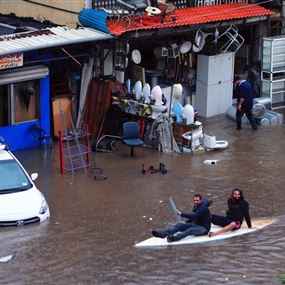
94,224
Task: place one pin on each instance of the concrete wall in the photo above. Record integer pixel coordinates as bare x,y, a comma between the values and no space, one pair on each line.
38,10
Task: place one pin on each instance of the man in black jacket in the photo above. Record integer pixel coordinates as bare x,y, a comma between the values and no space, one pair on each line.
198,222
238,210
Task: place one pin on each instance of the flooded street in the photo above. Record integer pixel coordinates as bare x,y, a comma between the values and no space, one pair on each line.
94,224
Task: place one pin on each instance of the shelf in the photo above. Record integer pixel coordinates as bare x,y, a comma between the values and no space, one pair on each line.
274,92
280,105
274,70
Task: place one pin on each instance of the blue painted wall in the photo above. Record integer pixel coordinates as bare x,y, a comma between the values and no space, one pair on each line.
25,135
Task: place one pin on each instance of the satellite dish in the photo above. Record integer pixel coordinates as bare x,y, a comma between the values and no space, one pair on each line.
199,41
258,110
138,90
185,47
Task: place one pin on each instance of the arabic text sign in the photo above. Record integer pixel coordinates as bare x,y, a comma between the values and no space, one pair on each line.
11,60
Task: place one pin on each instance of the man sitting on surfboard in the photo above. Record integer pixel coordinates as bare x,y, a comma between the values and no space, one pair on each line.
198,222
238,209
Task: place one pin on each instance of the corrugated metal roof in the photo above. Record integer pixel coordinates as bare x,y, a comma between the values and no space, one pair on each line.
51,37
193,16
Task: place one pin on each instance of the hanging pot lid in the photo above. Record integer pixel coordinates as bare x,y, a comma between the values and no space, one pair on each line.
185,47
136,56
199,41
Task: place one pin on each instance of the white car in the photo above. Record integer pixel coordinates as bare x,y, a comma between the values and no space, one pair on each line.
21,202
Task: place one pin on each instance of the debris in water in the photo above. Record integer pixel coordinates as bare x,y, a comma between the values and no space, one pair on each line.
6,258
210,162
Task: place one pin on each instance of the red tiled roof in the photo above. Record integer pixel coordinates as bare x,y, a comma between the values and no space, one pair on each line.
192,16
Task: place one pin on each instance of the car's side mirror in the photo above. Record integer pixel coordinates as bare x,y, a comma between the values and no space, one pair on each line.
34,176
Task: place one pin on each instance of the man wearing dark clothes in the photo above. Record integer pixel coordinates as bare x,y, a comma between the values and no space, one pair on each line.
238,210
198,222
245,96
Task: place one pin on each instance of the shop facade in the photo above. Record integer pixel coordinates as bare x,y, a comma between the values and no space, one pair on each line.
24,106
153,50
165,50
31,63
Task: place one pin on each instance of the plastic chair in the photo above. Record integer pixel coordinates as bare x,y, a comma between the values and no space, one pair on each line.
234,39
131,135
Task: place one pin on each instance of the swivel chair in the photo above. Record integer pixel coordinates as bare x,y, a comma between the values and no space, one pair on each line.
131,135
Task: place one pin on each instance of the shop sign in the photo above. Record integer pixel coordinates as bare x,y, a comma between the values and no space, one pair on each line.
11,60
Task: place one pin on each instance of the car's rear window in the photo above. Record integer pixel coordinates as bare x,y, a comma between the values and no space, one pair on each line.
12,177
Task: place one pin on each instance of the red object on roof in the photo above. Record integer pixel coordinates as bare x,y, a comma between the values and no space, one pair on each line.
191,16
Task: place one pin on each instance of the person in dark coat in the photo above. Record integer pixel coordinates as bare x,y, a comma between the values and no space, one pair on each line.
245,96
198,222
238,210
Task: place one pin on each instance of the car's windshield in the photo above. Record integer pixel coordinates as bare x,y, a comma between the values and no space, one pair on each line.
12,177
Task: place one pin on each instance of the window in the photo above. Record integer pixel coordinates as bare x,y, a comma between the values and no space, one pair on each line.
4,105
19,102
12,177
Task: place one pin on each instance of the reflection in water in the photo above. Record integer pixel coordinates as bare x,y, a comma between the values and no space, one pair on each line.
94,224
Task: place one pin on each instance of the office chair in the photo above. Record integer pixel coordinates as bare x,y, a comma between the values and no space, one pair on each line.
131,136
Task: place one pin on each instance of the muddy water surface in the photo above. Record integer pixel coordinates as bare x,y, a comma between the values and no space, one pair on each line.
94,224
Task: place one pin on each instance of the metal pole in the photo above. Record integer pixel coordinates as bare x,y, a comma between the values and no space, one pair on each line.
61,152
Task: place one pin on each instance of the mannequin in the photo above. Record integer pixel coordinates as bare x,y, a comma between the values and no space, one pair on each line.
157,108
156,95
146,93
177,108
188,114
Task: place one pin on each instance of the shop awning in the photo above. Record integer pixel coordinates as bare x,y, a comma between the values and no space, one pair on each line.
51,37
193,16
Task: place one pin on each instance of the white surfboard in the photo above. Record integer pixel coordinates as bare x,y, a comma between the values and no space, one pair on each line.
257,224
